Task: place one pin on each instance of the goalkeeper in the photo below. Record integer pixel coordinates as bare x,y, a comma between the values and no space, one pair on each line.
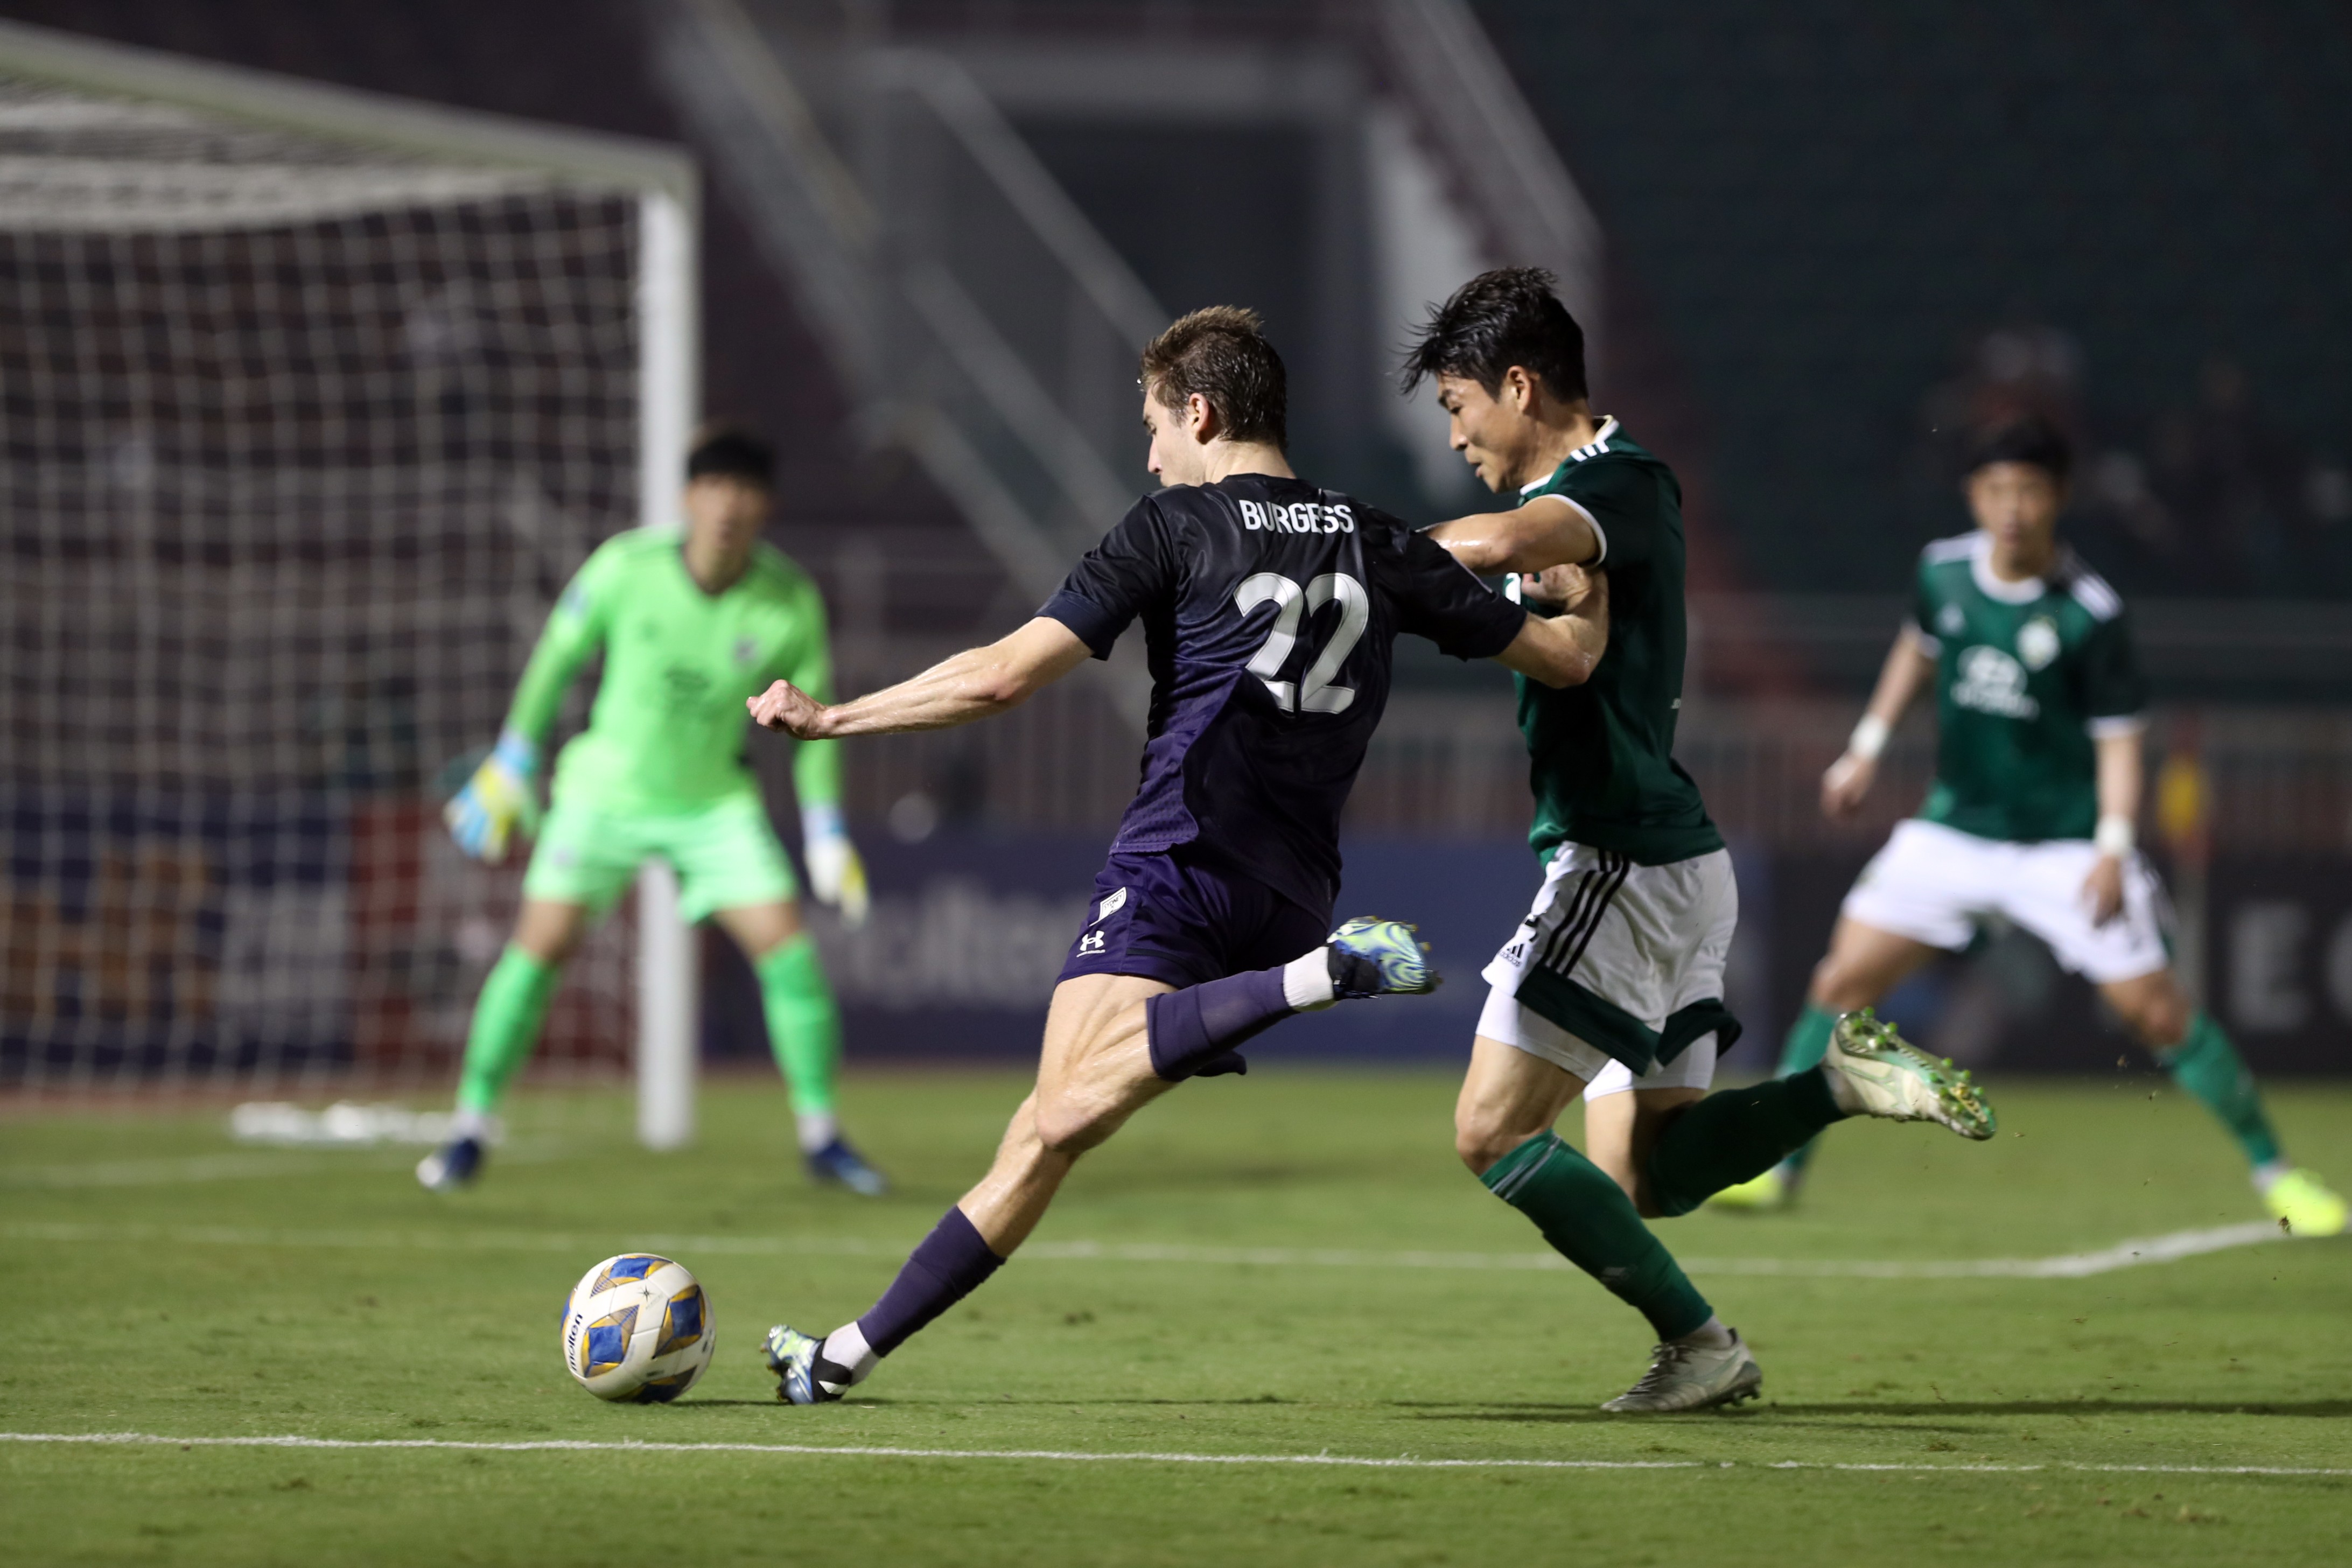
691,623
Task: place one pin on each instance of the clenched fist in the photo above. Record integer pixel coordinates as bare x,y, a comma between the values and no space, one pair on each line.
786,706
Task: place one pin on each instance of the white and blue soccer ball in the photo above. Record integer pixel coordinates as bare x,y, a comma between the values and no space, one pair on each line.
637,1329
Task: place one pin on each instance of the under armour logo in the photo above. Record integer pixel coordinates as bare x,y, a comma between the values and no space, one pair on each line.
1093,941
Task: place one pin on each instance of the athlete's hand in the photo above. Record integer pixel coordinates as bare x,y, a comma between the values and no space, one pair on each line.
837,874
2103,889
1844,786
497,800
786,706
1572,589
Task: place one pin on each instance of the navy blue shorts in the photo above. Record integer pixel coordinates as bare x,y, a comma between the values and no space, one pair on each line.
1174,917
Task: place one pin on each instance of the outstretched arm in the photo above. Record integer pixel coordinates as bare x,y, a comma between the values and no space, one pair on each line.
1561,649
1549,531
1908,667
502,799
974,684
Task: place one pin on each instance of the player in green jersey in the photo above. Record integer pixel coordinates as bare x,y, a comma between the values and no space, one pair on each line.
691,623
1611,989
2038,774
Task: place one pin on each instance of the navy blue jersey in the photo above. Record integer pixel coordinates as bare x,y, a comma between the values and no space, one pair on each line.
1269,611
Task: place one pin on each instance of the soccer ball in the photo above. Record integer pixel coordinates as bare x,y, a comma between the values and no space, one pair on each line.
638,1328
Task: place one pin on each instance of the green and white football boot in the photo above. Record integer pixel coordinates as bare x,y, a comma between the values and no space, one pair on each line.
1873,1071
1684,1377
1372,957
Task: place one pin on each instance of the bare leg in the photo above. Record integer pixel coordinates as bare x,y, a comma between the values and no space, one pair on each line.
1507,1096
1621,1130
1095,1073
550,930
1863,964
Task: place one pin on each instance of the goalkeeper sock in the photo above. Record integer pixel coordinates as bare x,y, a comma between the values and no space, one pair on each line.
1808,1043
804,1031
1737,1134
1590,1221
506,1017
2208,1069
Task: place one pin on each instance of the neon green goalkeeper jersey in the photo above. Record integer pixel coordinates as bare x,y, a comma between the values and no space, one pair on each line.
668,725
2028,676
1602,755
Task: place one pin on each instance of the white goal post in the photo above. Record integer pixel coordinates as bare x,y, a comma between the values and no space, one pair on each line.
310,399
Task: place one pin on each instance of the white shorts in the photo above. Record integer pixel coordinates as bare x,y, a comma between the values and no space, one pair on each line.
1608,955
1936,884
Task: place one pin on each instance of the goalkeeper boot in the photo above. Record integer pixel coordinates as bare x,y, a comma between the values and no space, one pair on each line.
839,1165
2303,1206
1373,957
1873,1071
802,1374
1761,1195
452,1165
1684,1377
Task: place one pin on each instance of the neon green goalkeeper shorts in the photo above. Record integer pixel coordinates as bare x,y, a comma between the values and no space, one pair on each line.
725,853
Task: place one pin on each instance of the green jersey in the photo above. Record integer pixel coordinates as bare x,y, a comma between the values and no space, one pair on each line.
1602,754
2027,675
668,728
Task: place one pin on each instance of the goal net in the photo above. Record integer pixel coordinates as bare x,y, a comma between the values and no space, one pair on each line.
311,403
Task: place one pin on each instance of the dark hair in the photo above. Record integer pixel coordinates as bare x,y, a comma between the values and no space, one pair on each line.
1499,319
2028,439
1222,354
731,452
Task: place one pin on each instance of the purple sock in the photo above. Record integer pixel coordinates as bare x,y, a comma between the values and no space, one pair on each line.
947,1265
1191,1033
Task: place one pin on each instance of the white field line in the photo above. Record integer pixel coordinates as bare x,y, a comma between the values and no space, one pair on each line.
2132,1254
1063,1456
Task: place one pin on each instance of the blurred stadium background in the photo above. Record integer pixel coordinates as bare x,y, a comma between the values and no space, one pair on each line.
287,497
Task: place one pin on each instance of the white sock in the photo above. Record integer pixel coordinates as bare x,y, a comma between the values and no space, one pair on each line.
476,1124
1710,1335
1847,1097
816,1127
846,1346
1307,982
2267,1175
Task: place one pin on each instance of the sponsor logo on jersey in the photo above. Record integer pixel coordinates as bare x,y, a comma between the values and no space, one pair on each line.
1992,682
2037,642
1307,517
745,650
1110,906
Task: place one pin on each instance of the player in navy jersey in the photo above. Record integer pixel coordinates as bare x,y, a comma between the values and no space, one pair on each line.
1268,607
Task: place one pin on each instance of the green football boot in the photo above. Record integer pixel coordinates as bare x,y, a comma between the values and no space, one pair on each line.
1372,957
1766,1194
2303,1206
1873,1071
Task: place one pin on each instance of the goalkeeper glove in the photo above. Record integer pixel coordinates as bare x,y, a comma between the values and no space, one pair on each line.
497,799
836,875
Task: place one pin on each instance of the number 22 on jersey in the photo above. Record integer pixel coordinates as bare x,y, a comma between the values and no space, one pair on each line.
1313,693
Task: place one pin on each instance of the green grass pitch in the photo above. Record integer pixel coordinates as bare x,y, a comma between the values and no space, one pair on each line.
1286,1264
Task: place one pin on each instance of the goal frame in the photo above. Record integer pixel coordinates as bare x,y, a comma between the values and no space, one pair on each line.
667,187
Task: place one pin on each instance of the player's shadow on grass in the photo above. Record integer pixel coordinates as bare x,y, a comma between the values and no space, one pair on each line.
2323,1408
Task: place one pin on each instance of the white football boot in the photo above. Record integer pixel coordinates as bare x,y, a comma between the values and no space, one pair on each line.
1873,1071
1684,1377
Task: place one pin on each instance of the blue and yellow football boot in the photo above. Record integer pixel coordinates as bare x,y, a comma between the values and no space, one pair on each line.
1372,957
802,1374
452,1165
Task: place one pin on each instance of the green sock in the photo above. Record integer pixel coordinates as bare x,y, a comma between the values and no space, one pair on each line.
2209,1069
506,1017
1590,1221
1738,1133
804,1024
1808,1043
